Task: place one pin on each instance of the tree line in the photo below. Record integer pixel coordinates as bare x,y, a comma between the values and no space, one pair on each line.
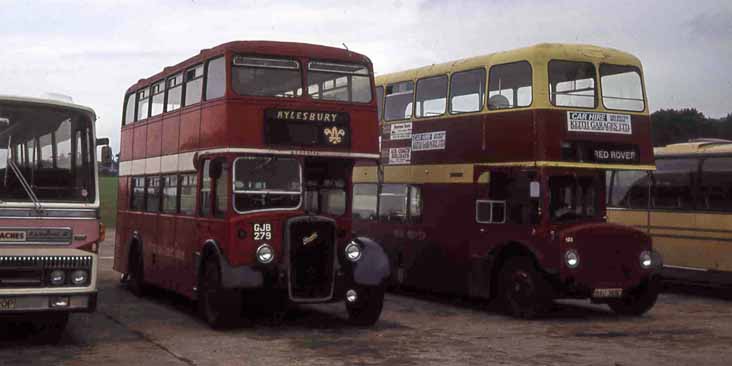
669,126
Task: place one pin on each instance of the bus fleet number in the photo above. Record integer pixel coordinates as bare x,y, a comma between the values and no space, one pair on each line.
262,231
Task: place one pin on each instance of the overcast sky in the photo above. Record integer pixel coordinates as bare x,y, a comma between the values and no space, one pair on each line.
94,50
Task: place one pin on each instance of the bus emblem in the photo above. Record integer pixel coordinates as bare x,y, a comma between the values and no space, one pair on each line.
309,239
335,134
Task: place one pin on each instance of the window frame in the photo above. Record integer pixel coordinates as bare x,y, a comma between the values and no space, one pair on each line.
204,96
164,83
168,87
176,197
516,106
349,76
134,109
642,86
146,90
414,93
299,67
194,209
234,192
482,98
132,186
596,84
186,81
491,203
446,77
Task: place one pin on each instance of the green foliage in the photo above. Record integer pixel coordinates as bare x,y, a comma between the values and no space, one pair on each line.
669,126
108,200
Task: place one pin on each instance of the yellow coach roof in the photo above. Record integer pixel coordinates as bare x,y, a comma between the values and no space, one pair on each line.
700,146
537,54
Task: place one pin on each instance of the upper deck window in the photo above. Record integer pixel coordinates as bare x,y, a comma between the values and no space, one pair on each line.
216,78
572,84
467,89
509,85
175,92
130,108
266,77
143,103
621,88
158,98
339,81
266,183
194,84
398,101
431,96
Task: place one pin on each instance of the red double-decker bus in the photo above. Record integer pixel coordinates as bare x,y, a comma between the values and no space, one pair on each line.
492,180
235,180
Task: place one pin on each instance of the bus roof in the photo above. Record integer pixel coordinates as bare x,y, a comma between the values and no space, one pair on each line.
46,102
696,147
264,48
540,53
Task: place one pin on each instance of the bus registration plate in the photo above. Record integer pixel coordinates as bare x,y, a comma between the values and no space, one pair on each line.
607,293
7,304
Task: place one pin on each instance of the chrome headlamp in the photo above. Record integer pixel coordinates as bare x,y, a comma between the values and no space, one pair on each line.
571,258
353,251
79,277
57,277
265,253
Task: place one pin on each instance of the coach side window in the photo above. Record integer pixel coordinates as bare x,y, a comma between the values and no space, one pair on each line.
431,98
153,194
188,193
137,201
467,90
393,203
509,85
398,101
194,84
175,92
158,98
364,201
379,102
628,189
143,104
130,108
716,184
674,183
572,84
170,194
215,78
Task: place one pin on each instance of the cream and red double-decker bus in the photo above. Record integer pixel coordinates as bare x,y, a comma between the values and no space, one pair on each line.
492,178
235,180
49,210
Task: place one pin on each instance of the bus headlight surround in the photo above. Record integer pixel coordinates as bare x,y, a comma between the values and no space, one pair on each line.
646,259
353,251
571,258
79,277
57,277
265,253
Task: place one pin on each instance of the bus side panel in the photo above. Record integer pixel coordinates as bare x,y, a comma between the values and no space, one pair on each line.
634,218
718,226
190,125
154,138
126,143
167,257
245,125
149,230
171,133
122,228
213,125
139,145
186,238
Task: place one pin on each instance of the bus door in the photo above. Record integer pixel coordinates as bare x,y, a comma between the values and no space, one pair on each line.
506,210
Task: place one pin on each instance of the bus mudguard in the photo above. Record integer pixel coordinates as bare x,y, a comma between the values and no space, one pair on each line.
373,267
231,277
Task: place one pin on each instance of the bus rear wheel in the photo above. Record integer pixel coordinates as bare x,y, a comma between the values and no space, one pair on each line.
136,275
366,309
525,293
219,307
638,301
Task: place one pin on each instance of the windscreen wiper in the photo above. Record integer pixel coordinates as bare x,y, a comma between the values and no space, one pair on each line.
24,183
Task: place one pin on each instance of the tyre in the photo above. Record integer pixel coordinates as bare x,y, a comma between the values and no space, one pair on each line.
638,301
366,310
523,290
50,327
136,271
219,307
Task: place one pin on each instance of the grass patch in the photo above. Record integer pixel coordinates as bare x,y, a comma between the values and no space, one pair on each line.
108,200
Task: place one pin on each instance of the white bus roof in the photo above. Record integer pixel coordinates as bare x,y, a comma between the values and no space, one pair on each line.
49,103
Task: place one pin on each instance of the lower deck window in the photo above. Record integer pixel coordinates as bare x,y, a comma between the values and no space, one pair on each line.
364,201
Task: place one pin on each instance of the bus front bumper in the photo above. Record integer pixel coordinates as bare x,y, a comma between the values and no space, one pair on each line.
85,302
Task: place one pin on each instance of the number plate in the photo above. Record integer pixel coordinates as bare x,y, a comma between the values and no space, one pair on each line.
7,304
607,292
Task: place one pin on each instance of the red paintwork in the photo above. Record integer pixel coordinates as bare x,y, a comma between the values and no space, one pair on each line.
171,241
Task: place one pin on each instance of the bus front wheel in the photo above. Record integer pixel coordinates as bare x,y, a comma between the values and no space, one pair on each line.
639,301
525,293
366,309
218,306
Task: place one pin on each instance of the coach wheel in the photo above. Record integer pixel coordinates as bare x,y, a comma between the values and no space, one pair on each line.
50,327
523,290
364,305
218,306
136,274
638,301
